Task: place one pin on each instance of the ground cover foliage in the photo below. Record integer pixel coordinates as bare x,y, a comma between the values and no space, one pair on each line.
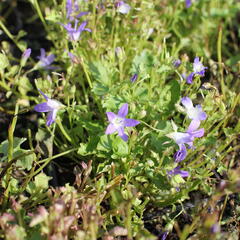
119,120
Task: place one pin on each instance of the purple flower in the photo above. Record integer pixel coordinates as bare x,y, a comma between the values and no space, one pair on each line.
177,63
118,122
123,7
195,113
188,3
186,138
72,8
51,106
176,171
198,69
45,61
134,78
75,32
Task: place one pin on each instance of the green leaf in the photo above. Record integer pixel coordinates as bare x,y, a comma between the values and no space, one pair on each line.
16,145
24,85
100,73
41,181
3,61
105,143
25,162
120,147
100,89
169,96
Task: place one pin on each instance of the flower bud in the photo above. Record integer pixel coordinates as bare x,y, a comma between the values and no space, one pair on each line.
26,54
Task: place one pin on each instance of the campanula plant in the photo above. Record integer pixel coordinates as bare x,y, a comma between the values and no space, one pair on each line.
138,142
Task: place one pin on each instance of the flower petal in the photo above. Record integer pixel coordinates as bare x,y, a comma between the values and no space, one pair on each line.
82,14
45,96
131,122
122,134
111,116
50,58
187,102
188,3
82,26
196,60
190,78
123,111
201,115
110,129
193,126
177,170
42,107
180,137
181,154
43,53
199,133
51,117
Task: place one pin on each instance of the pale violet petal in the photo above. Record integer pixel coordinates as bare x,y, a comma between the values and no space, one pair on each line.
180,137
193,126
199,133
181,154
123,110
110,129
42,107
54,104
45,96
122,134
124,8
111,116
51,117
131,122
124,137
187,102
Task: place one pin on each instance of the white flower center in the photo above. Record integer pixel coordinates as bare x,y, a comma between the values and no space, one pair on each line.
118,122
193,113
54,104
198,67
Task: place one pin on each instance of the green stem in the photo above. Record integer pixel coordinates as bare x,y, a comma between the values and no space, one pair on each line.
10,36
36,5
219,54
153,128
45,162
10,151
59,123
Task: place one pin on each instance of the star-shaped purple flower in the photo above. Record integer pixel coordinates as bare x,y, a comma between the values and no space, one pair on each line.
118,122
195,113
75,32
123,7
51,106
198,69
46,61
72,10
186,138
